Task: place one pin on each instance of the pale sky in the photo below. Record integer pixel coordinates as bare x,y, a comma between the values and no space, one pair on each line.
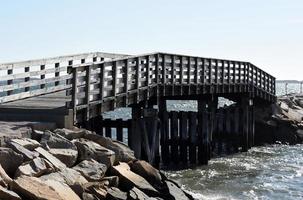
267,33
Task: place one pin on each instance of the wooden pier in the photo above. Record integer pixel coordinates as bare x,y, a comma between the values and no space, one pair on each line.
77,89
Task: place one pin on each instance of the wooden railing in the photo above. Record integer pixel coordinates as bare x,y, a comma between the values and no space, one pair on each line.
99,82
124,81
25,79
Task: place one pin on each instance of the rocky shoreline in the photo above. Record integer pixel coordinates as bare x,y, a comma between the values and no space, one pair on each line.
75,164
281,122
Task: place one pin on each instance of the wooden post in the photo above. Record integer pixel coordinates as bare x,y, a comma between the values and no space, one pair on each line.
183,136
203,138
119,130
135,135
174,137
220,131
245,121
192,125
228,130
164,138
236,127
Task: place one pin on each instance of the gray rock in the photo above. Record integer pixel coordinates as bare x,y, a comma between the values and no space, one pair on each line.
136,194
6,194
71,134
52,159
90,150
69,176
122,151
147,171
35,189
128,179
176,191
27,143
10,160
56,141
37,167
27,154
97,189
91,169
112,181
4,177
66,156
88,196
64,191
37,135
114,193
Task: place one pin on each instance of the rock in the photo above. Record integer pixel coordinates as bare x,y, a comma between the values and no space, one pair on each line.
12,130
91,150
136,194
175,191
147,171
35,189
4,176
69,176
97,189
10,160
88,196
53,160
71,134
36,167
27,143
91,169
113,181
37,135
60,147
128,179
27,154
64,191
122,151
56,141
66,156
6,194
114,193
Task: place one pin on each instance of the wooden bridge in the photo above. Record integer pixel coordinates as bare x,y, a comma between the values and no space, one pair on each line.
77,89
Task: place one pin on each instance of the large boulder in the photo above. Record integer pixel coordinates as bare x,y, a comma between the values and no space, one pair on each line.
91,169
64,191
97,189
37,167
69,176
27,154
128,179
114,193
10,160
147,171
56,141
176,191
13,130
90,150
136,194
34,189
122,151
67,156
60,147
27,143
6,194
52,159
71,134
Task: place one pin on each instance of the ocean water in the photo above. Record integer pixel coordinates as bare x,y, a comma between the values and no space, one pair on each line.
269,172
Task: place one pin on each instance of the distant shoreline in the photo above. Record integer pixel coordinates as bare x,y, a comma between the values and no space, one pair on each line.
288,81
